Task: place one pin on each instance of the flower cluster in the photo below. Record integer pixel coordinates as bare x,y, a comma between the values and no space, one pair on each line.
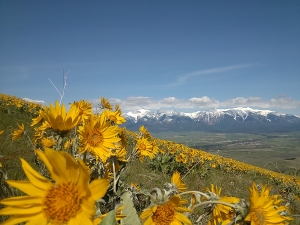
85,154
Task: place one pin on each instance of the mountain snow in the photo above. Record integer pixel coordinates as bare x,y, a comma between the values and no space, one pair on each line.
137,114
207,116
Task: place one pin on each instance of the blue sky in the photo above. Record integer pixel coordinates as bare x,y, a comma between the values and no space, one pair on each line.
183,55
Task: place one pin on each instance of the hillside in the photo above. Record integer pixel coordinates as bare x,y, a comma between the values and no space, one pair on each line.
233,176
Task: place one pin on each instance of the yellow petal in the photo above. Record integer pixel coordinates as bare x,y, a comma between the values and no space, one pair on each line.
72,168
45,160
80,219
21,200
149,221
83,178
146,213
26,187
63,111
10,210
58,161
37,219
182,218
98,188
16,220
34,177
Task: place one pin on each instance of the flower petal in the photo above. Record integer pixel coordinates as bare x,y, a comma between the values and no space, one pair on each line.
182,218
10,210
98,188
34,177
16,220
21,200
26,187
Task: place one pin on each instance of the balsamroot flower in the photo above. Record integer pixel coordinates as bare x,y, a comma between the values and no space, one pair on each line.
48,142
167,213
104,104
145,148
85,108
177,181
97,136
145,133
119,216
39,118
221,213
61,120
69,200
265,209
18,133
114,117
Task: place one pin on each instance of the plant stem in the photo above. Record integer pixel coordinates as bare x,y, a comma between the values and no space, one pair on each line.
115,183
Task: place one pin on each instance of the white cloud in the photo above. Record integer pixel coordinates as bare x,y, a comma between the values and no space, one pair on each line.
184,77
284,102
42,102
243,102
205,102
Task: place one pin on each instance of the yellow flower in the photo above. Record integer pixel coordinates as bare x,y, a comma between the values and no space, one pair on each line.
119,216
222,213
70,200
135,186
98,137
18,133
38,119
44,126
48,142
1,132
114,117
265,209
38,134
123,137
181,158
172,151
167,213
177,181
145,132
116,156
85,108
145,148
104,104
68,144
60,120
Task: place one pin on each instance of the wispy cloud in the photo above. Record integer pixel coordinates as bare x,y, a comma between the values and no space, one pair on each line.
204,102
42,102
182,79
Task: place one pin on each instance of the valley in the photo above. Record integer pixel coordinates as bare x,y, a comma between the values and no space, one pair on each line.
279,152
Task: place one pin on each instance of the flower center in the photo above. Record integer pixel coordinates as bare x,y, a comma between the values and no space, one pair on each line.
61,203
113,118
142,146
164,214
95,137
258,217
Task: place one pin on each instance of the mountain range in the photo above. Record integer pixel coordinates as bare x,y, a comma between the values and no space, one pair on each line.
244,120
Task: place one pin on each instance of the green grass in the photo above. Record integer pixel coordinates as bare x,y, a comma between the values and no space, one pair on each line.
263,150
12,151
233,184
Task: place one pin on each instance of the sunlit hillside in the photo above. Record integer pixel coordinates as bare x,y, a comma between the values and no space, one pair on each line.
133,173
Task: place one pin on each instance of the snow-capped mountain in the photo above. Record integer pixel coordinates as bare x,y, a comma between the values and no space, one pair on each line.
215,120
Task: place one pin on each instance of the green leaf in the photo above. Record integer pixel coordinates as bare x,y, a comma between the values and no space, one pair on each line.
110,219
129,211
